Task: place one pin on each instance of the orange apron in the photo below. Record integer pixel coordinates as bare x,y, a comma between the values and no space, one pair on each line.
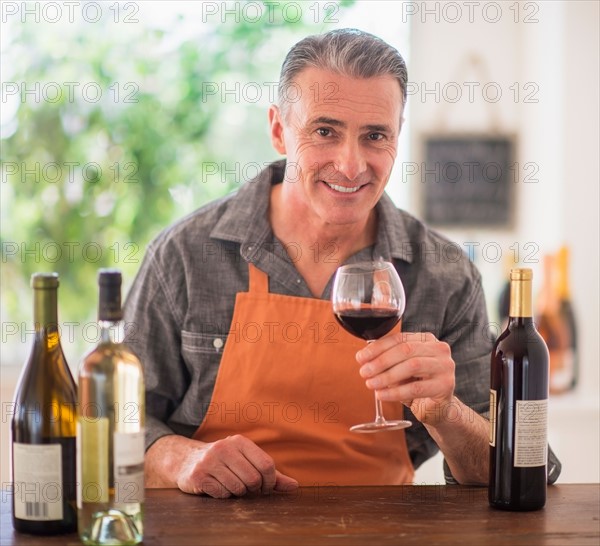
288,381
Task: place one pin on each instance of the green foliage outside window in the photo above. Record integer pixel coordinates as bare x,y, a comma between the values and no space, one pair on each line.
111,131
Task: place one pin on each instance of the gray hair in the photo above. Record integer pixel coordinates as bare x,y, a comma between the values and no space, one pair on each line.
346,51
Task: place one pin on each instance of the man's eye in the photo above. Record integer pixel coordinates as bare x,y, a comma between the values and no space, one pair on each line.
323,131
375,136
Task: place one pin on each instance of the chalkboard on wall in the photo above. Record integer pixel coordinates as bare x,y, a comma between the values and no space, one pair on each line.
467,181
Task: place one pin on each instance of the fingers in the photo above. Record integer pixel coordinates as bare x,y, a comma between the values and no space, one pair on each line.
421,355
416,389
407,366
284,483
408,340
398,372
257,468
241,466
233,466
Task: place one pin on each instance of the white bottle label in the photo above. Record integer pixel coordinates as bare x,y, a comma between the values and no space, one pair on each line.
38,484
531,433
129,466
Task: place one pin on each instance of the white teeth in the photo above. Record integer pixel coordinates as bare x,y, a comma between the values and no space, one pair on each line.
343,189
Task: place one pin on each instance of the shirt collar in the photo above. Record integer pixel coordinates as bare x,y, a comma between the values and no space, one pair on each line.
393,233
246,220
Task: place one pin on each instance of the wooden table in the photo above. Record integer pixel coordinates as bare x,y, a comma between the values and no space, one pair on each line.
423,515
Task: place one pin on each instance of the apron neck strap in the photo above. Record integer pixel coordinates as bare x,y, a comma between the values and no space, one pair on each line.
258,280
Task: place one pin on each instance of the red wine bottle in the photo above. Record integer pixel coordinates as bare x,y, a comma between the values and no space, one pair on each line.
43,426
519,406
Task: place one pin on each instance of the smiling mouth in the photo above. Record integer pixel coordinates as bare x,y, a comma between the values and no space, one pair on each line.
343,189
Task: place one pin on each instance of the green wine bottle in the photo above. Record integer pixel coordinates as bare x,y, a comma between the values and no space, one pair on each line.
43,426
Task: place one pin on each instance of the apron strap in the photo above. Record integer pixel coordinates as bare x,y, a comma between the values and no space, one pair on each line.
258,281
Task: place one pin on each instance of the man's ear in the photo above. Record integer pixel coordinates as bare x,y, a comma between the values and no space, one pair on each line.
275,122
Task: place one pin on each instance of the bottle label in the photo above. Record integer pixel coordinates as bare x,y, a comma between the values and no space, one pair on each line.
493,417
92,460
38,483
531,432
129,466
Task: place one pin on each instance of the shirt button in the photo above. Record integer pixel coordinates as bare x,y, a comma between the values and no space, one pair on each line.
298,281
218,343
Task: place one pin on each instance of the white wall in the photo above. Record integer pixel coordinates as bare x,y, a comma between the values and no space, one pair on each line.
555,57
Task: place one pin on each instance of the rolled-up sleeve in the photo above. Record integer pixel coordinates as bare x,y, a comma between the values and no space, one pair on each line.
467,333
471,343
462,324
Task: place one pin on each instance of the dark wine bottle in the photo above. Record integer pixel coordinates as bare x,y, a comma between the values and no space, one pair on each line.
43,426
519,406
110,430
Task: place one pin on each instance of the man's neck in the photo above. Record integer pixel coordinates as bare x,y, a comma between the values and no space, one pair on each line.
317,248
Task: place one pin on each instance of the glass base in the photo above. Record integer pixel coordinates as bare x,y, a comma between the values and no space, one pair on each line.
112,527
382,426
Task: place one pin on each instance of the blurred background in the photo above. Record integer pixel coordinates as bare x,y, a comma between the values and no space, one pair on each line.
118,118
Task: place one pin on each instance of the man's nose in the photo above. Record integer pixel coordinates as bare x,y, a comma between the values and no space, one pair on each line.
351,162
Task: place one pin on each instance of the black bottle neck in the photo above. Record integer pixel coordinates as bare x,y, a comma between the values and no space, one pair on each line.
110,313
109,303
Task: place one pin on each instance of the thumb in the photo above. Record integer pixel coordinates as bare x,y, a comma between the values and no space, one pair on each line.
284,483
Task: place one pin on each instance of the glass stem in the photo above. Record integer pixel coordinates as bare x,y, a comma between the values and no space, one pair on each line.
378,412
379,419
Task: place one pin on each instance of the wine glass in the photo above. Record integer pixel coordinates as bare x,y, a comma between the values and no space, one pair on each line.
368,301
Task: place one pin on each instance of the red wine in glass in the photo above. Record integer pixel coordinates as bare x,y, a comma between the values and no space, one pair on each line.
369,323
368,301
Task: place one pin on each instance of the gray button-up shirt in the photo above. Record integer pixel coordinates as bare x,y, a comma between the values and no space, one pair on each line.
180,308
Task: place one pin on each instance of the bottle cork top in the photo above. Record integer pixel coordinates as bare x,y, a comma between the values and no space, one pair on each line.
111,277
521,274
520,292
44,280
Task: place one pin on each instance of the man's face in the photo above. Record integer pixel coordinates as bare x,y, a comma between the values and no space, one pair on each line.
340,137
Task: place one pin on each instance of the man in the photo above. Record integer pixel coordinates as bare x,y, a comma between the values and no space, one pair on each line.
251,385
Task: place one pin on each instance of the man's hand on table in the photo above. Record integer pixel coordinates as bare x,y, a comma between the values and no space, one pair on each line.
229,467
